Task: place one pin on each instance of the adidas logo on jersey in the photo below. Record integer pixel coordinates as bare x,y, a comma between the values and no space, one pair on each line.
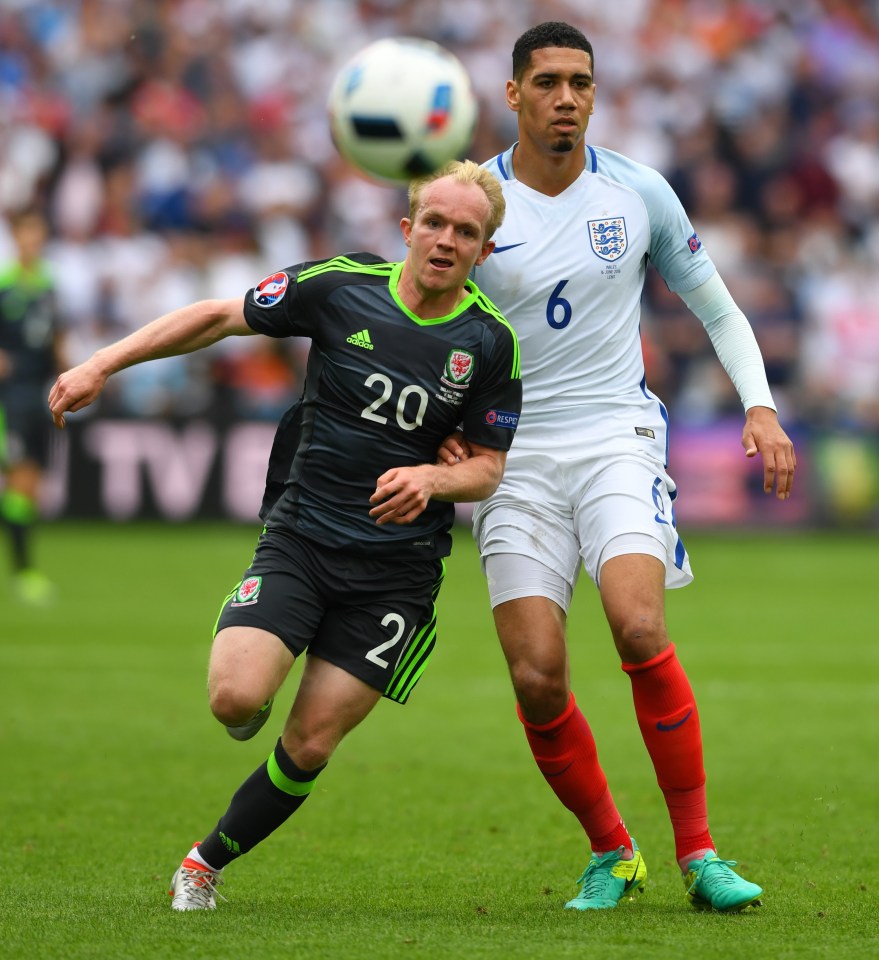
361,340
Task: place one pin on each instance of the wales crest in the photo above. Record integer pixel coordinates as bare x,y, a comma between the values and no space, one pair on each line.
459,368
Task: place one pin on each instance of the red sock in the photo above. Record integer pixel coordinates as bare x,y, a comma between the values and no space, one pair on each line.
566,755
669,721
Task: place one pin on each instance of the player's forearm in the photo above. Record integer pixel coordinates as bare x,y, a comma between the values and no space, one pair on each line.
469,481
733,341
182,331
403,493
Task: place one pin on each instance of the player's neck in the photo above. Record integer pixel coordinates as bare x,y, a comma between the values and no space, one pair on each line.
545,172
425,303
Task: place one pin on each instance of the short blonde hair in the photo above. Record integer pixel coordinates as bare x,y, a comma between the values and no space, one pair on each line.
464,171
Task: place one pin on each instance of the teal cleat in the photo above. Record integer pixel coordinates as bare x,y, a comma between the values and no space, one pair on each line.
607,879
712,884
253,726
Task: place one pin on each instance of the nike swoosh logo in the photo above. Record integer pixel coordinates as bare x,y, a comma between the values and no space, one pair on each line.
627,886
509,246
673,726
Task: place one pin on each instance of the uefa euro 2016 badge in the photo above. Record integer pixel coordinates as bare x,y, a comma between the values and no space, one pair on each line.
269,291
608,237
247,593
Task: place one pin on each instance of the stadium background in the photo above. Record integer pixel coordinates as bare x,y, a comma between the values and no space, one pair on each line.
181,150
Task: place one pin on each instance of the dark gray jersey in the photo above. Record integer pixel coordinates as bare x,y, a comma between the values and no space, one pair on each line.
383,389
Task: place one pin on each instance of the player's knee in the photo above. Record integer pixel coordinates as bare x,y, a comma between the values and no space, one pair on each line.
308,751
231,704
542,692
639,636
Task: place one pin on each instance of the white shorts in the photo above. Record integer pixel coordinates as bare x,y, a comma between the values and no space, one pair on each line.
561,513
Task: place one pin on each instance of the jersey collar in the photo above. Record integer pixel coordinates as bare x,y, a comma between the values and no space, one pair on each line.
505,161
472,291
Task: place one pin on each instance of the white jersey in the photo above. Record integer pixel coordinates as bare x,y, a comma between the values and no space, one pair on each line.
568,273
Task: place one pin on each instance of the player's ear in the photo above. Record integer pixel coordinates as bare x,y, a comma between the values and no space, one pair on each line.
406,230
513,96
487,247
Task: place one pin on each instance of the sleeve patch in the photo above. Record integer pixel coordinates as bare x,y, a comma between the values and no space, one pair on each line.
270,291
502,418
694,243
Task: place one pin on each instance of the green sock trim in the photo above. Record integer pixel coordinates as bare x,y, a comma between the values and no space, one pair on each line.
294,788
17,508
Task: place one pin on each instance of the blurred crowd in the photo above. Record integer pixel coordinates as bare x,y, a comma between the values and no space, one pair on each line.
180,150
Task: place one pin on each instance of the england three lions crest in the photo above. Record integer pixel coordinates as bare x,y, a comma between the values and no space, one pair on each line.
608,237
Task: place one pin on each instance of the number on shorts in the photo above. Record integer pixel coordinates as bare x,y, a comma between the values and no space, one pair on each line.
400,624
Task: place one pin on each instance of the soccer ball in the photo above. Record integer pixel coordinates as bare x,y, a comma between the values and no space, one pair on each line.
401,108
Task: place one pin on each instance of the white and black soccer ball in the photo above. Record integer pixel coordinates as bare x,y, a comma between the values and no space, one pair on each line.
402,107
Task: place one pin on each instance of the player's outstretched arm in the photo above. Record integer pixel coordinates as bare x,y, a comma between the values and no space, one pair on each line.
763,434
402,493
181,331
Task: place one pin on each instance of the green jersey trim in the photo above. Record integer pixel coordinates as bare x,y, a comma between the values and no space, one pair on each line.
493,311
346,265
467,302
393,272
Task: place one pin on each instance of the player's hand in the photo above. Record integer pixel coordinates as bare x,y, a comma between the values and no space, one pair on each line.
401,494
763,434
73,390
453,449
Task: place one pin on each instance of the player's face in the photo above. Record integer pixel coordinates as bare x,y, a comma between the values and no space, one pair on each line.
446,237
30,237
554,99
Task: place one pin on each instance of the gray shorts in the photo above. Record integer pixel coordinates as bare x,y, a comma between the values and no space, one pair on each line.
373,618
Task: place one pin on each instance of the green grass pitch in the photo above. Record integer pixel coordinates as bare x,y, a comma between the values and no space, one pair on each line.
431,834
